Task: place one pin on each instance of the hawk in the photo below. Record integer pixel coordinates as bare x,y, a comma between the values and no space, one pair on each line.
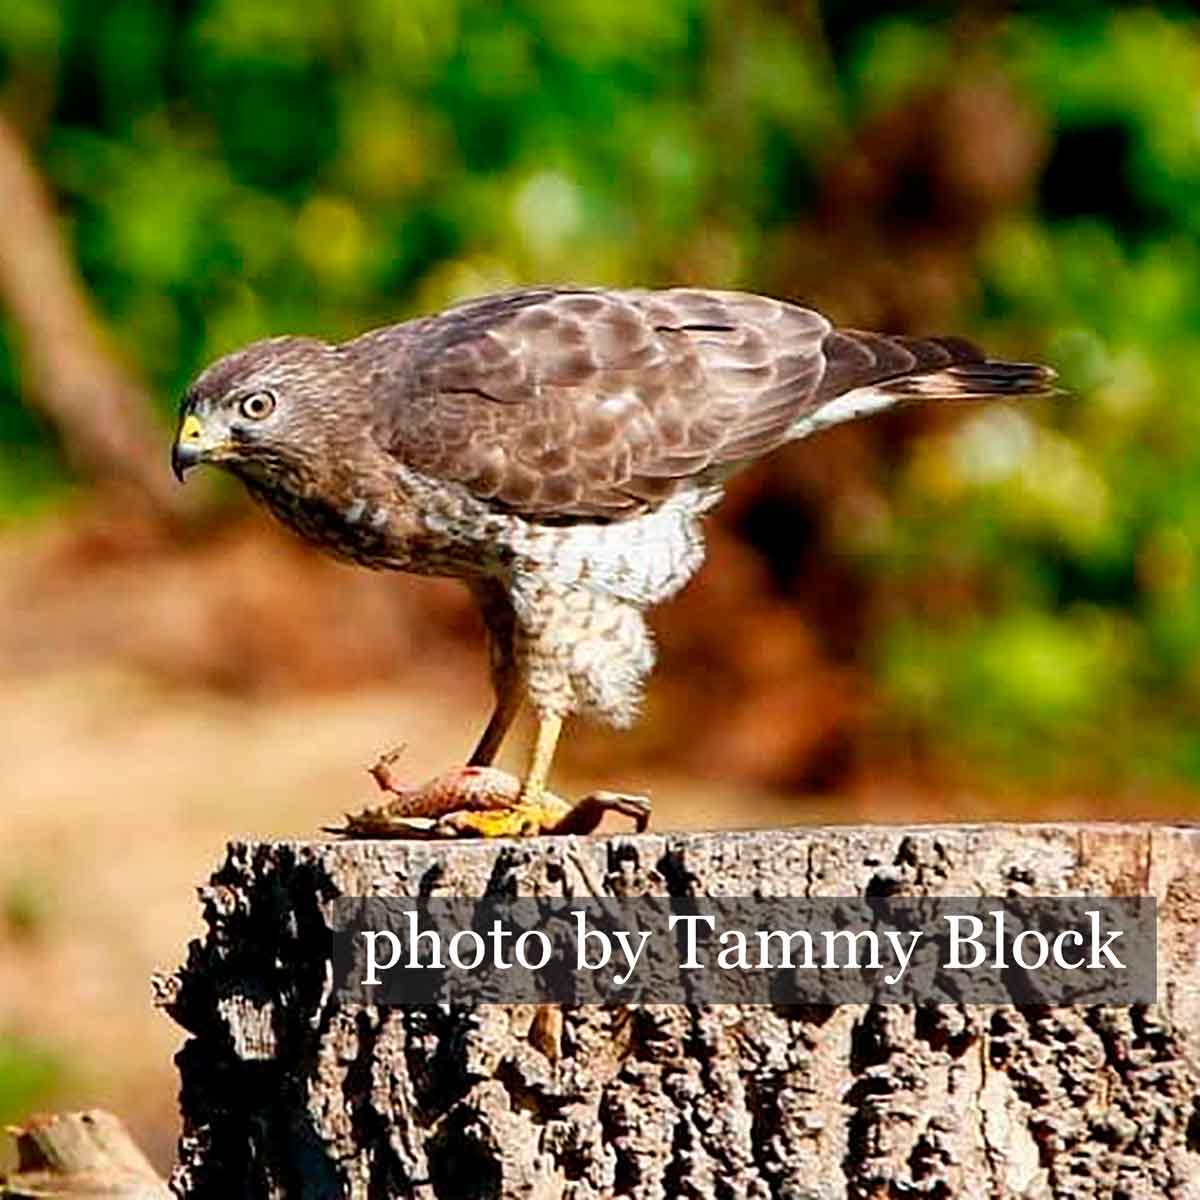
555,449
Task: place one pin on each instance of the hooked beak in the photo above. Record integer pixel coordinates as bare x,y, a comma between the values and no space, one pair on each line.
190,446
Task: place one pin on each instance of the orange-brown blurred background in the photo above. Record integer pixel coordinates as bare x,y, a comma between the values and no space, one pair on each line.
968,613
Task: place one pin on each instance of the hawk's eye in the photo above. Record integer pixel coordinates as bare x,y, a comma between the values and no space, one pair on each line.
257,406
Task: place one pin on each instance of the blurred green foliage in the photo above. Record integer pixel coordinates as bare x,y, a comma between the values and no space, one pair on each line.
233,168
29,1076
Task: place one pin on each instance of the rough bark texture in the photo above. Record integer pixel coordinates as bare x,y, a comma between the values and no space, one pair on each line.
287,1093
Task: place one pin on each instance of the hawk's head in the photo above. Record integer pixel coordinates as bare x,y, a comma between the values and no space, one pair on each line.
265,412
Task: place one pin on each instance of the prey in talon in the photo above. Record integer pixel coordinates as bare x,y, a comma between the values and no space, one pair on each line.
556,449
479,802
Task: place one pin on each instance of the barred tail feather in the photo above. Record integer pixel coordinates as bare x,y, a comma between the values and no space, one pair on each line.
868,372
973,381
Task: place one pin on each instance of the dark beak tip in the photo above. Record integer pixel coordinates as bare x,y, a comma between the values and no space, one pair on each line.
182,460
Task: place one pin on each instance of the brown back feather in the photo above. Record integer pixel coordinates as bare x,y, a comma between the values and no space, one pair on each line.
590,405
595,404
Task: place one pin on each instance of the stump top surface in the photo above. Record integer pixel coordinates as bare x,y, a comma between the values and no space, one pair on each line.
1082,858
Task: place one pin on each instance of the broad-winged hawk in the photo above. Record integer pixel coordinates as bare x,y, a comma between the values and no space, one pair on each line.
556,449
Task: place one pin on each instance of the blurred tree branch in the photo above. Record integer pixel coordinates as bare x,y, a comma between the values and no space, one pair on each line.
102,415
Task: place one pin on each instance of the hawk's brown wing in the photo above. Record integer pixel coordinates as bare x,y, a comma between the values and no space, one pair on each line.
596,404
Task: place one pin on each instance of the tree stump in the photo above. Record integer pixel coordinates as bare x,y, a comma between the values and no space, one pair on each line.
79,1156
287,1092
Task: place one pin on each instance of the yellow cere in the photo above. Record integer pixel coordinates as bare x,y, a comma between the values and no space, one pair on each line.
191,429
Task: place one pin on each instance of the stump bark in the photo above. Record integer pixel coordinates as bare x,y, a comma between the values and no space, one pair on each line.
286,1092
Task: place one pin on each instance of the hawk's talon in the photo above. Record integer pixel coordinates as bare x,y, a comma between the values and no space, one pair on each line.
522,821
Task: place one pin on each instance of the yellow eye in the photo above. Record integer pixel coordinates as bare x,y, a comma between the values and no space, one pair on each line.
257,406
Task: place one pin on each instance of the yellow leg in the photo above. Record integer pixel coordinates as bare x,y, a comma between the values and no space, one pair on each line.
534,784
